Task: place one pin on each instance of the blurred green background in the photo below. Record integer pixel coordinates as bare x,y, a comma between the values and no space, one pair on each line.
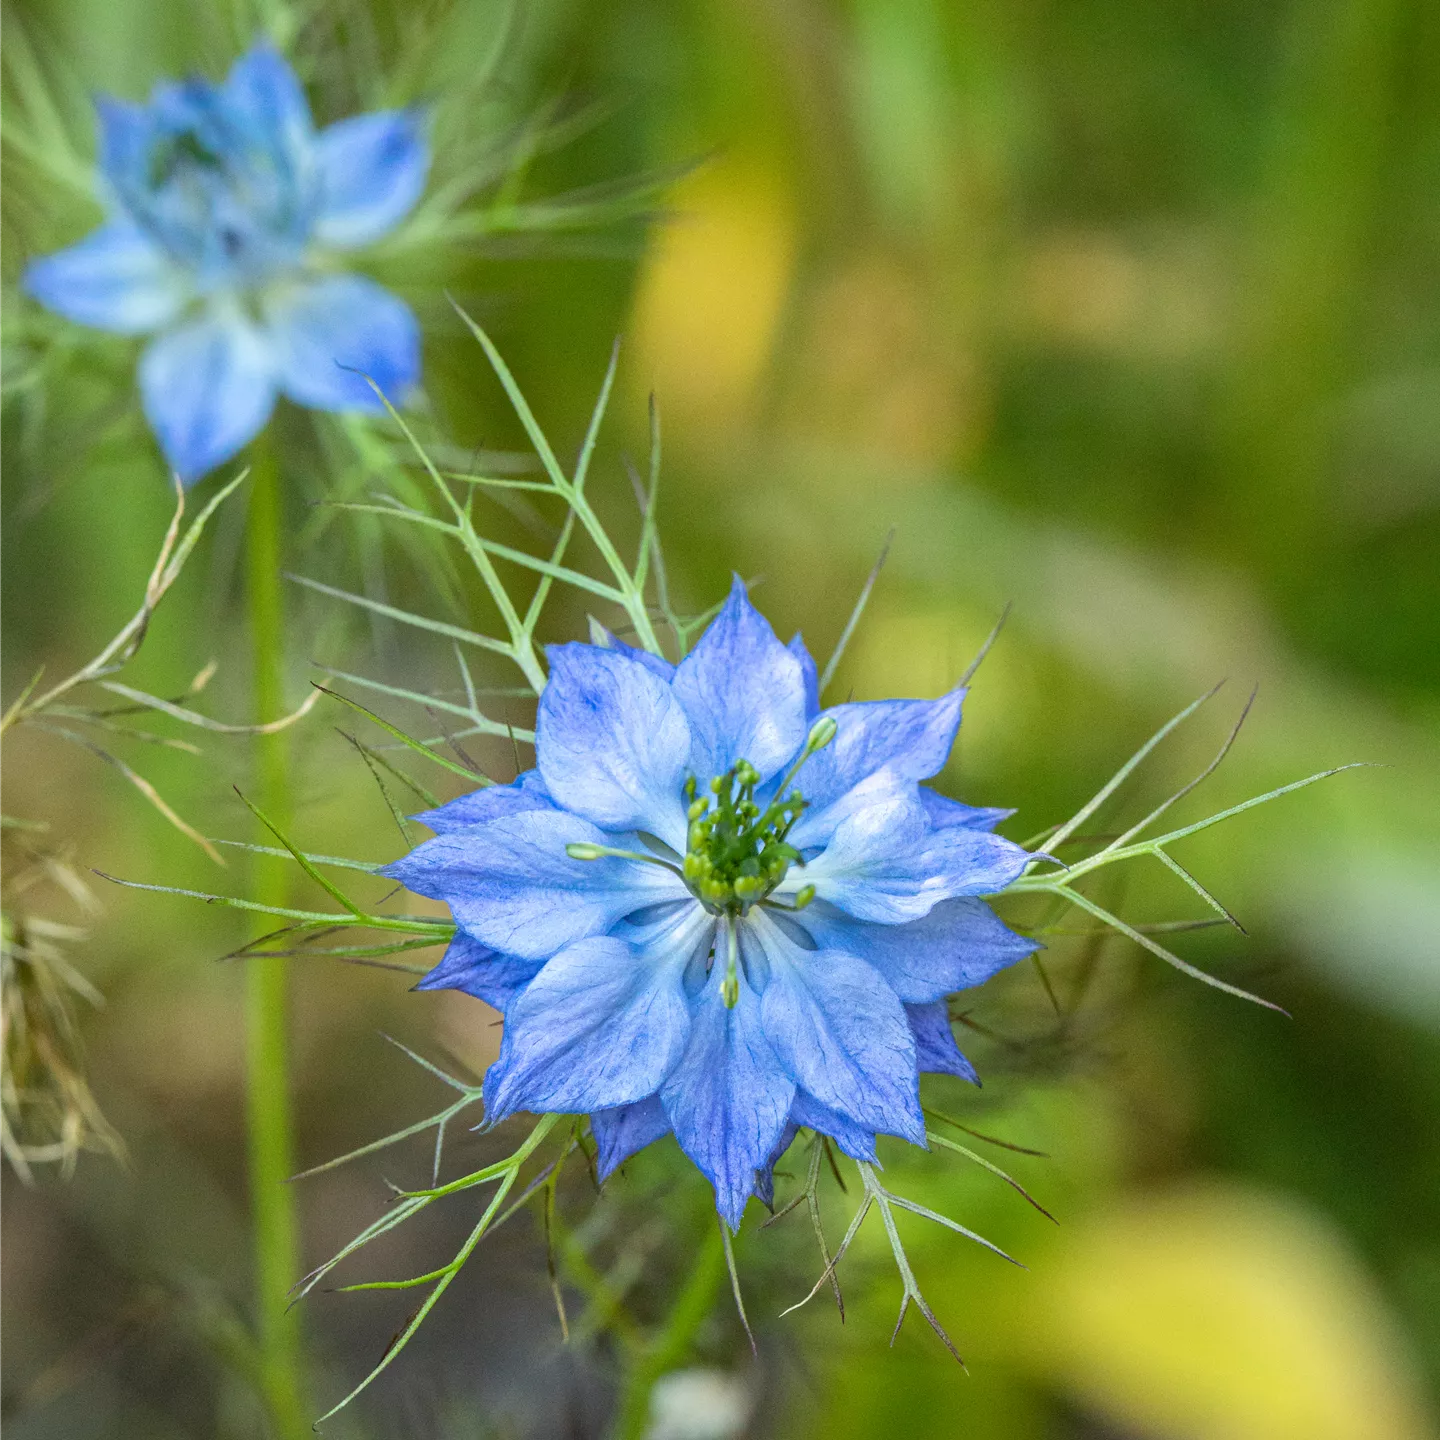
1125,313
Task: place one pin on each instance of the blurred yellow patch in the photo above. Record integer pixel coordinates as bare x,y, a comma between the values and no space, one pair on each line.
1222,1314
711,296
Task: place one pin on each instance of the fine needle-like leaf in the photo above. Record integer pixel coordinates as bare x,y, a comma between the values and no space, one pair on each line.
735,1283
332,890
990,639
833,663
947,1144
1125,771
405,739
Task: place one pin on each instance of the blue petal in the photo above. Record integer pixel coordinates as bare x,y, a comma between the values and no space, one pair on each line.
886,863
601,1025
944,812
960,943
208,389
841,1034
809,674
626,1130
765,1175
657,665
115,279
743,693
935,1045
612,744
372,170
510,883
728,1098
126,133
854,1140
265,100
477,970
526,793
334,336
911,738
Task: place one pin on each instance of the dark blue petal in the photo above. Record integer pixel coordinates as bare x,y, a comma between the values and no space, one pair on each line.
809,674
943,812
743,693
935,1045
960,943
334,336
116,279
728,1098
526,793
765,1175
854,1140
371,172
910,738
477,970
601,1025
840,1033
510,883
625,1131
612,743
886,863
208,389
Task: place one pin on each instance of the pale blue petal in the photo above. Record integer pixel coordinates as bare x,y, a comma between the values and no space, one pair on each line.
809,674
126,132
601,1025
612,743
332,337
888,864
943,812
959,944
935,1047
510,883
526,793
728,1099
841,1034
625,1131
115,279
658,665
854,1140
371,172
265,101
208,389
743,693
910,738
477,970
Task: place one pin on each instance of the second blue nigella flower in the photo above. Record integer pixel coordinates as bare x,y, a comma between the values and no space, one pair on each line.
227,214
714,909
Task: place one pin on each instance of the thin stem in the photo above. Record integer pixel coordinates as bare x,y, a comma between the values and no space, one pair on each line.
271,1141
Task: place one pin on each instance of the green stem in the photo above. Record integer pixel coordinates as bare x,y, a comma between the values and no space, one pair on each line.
669,1347
267,1048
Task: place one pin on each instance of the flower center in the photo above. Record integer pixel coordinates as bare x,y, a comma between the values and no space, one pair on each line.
736,852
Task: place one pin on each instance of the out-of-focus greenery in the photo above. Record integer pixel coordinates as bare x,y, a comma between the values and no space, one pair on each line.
1125,314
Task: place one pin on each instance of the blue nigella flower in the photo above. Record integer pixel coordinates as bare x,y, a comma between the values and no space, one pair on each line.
715,909
227,213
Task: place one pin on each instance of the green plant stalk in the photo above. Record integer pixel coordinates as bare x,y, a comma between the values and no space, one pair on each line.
267,1039
669,1347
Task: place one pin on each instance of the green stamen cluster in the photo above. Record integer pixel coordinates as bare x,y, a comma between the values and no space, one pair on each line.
737,853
